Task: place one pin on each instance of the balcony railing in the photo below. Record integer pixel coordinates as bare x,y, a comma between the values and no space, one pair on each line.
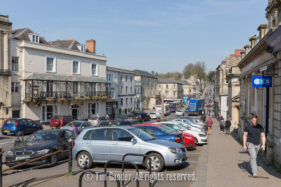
63,95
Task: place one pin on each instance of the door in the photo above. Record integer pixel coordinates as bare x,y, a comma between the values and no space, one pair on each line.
49,112
99,141
122,144
75,112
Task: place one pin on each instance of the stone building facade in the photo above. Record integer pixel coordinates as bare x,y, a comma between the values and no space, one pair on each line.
123,82
170,89
221,82
263,57
232,77
61,77
147,84
5,70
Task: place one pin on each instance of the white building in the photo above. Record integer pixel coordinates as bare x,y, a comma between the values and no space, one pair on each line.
61,77
123,86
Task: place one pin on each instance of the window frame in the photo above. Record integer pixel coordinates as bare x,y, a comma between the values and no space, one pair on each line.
78,68
13,71
54,64
96,73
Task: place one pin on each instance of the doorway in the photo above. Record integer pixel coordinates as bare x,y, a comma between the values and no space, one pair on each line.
47,112
75,111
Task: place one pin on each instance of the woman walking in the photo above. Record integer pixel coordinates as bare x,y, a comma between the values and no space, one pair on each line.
210,124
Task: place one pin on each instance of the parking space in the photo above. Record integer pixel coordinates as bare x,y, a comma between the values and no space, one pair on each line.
189,167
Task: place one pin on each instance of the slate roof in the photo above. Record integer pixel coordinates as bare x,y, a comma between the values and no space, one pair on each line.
109,68
23,34
144,74
168,81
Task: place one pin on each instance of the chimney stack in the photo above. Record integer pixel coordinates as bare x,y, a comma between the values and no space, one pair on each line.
263,30
242,53
247,49
253,41
91,45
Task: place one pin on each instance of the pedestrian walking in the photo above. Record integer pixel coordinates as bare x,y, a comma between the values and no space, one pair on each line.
210,124
222,124
227,126
75,129
254,140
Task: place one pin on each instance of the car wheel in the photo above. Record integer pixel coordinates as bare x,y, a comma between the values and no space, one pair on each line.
157,162
20,133
84,160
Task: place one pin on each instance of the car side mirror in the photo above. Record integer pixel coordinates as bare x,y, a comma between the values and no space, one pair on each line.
134,141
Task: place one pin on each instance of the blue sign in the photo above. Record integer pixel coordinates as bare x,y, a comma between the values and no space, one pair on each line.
262,81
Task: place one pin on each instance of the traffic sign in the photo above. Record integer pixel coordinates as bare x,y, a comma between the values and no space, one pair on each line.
262,81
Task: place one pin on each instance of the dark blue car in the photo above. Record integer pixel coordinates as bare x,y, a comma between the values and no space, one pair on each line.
161,132
19,126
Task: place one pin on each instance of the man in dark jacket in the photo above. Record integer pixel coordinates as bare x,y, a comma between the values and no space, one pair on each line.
227,126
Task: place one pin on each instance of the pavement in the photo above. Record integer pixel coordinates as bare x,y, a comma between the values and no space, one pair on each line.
224,163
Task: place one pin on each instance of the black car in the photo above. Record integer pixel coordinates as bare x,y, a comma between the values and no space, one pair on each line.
142,116
39,144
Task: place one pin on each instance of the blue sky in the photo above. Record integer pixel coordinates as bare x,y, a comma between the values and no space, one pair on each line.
159,35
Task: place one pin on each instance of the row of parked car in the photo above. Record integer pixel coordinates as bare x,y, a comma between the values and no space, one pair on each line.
164,142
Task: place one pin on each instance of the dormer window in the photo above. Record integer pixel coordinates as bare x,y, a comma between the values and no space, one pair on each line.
82,48
34,38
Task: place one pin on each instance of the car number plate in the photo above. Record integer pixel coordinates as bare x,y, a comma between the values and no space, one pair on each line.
6,131
22,157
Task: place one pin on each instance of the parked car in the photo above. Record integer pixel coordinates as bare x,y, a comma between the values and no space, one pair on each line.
98,120
194,120
161,132
189,139
179,113
154,115
200,137
142,116
79,124
193,125
39,144
101,144
58,121
20,126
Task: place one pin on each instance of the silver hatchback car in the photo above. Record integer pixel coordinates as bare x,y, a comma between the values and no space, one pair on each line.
101,144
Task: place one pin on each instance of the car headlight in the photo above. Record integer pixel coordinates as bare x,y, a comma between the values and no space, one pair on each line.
201,135
43,151
10,153
175,150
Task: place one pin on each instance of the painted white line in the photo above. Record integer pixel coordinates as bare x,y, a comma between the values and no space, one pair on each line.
6,142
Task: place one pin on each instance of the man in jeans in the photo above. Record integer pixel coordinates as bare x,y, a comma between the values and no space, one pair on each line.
254,140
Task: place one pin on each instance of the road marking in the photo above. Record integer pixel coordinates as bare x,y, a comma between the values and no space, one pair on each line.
6,142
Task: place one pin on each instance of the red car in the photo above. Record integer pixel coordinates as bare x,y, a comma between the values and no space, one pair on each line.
58,121
189,139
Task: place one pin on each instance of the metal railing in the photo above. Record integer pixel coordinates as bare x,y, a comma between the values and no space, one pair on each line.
3,172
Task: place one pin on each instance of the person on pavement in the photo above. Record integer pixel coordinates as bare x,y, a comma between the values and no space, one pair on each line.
75,129
210,124
254,140
227,126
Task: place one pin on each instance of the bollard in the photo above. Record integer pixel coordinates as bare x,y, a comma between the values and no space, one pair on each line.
70,159
1,155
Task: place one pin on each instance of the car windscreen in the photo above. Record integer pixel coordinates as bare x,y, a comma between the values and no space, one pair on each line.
11,120
43,136
141,134
193,120
77,123
167,130
185,126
